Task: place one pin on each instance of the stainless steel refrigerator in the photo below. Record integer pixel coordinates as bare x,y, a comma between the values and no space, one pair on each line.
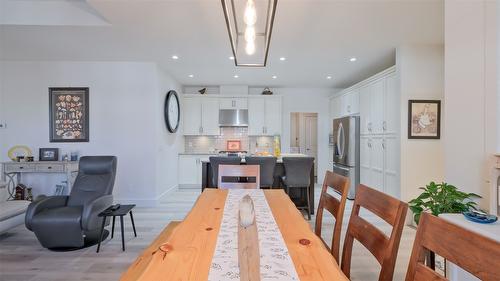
346,150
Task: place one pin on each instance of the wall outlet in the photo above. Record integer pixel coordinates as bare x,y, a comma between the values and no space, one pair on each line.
3,125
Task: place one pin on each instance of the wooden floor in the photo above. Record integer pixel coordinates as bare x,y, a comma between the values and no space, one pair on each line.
22,258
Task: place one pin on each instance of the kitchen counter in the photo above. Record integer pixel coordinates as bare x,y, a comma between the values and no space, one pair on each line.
279,160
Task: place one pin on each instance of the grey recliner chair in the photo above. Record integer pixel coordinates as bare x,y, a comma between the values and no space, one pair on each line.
72,221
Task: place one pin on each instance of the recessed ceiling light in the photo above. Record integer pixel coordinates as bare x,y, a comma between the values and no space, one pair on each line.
274,76
353,59
282,58
174,57
231,58
328,77
191,75
236,76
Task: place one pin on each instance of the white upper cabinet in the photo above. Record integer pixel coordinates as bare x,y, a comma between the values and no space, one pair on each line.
392,105
349,103
210,116
233,103
273,116
192,116
364,109
256,116
264,116
377,100
201,116
335,111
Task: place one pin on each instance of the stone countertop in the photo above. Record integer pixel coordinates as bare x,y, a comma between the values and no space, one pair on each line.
198,153
279,160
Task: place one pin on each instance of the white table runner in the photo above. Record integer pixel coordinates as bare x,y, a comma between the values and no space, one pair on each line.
275,261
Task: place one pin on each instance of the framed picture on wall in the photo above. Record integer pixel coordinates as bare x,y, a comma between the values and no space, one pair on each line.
69,114
424,119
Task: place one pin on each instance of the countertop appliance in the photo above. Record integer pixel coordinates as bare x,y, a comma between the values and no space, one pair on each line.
346,150
233,118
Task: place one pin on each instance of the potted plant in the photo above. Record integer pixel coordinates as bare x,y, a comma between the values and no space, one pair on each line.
439,198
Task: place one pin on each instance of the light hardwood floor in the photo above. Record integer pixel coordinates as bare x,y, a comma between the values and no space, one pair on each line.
22,257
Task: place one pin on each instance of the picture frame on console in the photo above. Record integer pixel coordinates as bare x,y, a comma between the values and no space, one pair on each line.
69,114
48,154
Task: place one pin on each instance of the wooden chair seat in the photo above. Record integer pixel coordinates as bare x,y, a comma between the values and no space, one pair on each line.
339,184
477,254
385,249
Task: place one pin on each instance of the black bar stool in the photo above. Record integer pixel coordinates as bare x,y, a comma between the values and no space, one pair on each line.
297,175
267,165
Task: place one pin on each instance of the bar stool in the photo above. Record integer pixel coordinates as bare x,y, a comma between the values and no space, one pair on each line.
297,175
215,161
267,165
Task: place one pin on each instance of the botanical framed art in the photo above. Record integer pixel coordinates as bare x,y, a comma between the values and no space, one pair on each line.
424,119
69,114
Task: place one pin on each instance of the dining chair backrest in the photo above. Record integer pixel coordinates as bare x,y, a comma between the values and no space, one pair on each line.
384,248
238,171
298,170
267,165
216,161
336,207
477,254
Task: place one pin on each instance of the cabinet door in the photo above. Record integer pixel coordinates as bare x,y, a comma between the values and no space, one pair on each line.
391,167
210,116
188,164
392,105
354,102
377,163
334,108
192,116
233,103
256,116
344,104
364,163
377,106
241,103
364,109
273,116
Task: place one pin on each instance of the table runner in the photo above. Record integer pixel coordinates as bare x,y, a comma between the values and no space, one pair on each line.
275,261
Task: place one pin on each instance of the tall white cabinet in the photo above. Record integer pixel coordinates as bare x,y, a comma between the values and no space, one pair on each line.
377,101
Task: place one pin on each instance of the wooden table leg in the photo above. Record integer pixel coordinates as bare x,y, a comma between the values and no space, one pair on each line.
113,228
123,234
100,235
133,224
311,191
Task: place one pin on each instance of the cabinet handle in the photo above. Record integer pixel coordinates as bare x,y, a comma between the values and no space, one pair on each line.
49,167
263,130
349,108
384,125
369,144
370,126
21,167
233,103
383,145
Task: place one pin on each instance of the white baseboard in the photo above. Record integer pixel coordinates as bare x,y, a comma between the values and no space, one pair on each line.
147,202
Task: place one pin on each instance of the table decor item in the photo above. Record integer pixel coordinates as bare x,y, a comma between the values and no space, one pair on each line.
439,198
49,154
480,217
19,150
248,241
203,91
424,119
29,194
74,156
20,159
172,111
69,114
30,159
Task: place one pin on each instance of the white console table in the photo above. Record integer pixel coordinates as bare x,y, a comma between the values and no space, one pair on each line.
12,171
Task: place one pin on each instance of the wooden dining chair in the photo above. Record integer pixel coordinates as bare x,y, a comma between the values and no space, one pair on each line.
229,176
385,249
340,185
477,254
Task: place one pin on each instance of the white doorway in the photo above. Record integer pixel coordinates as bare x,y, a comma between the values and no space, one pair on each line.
304,135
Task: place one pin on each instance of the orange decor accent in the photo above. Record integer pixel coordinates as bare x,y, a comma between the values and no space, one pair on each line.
233,145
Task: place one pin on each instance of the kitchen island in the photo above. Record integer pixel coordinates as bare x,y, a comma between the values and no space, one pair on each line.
299,197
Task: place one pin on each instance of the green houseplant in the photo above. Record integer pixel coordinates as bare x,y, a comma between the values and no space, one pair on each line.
439,198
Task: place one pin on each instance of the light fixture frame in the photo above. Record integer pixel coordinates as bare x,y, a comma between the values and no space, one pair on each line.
229,4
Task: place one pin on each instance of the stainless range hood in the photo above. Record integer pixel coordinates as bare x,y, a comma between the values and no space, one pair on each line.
233,118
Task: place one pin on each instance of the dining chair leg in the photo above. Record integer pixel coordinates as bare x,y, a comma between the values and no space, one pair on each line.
308,204
113,228
133,224
123,234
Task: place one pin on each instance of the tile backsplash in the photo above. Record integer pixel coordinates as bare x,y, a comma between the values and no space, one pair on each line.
211,144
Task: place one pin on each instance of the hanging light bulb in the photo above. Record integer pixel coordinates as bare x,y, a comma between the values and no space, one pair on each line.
250,48
250,17
250,34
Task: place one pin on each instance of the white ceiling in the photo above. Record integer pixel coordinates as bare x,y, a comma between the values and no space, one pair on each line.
316,37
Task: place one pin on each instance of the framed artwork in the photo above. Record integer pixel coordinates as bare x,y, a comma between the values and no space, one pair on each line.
424,119
69,114
233,145
49,154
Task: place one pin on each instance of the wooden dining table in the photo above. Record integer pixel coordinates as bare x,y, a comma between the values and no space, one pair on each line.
185,251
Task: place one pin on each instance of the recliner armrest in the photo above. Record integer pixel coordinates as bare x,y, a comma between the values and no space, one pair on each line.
41,204
92,210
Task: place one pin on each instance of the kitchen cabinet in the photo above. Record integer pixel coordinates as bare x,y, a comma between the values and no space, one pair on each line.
349,103
392,105
201,116
364,109
377,100
264,116
190,169
335,111
233,103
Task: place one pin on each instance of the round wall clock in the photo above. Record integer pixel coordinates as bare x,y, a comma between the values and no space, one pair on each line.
172,111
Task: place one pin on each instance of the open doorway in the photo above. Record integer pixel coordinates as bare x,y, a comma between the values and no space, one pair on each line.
304,136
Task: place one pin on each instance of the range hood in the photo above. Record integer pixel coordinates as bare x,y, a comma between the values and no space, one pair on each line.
233,118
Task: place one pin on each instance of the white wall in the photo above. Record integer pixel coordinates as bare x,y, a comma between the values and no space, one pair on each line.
421,71
125,108
313,100
471,98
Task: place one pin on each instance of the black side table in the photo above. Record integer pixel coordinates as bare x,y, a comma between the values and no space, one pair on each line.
122,211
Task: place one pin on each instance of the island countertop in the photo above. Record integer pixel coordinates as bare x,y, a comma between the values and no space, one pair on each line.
279,160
